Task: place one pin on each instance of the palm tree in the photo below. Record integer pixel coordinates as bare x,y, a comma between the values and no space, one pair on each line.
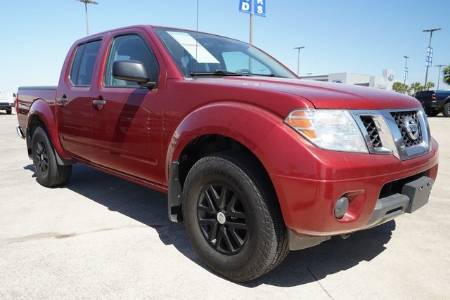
429,86
400,87
447,74
415,87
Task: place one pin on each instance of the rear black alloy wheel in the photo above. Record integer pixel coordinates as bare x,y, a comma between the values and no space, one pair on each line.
48,172
432,113
222,219
447,110
41,158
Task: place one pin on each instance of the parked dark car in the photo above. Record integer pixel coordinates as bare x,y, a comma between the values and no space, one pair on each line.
435,102
6,106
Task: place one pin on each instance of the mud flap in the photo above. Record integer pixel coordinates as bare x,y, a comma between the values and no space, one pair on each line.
174,193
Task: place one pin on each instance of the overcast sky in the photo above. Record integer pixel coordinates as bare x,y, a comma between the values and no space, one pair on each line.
359,36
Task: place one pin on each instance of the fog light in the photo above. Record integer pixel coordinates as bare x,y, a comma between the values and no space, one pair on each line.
341,207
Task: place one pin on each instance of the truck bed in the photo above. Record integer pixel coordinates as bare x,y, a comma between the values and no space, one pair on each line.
27,95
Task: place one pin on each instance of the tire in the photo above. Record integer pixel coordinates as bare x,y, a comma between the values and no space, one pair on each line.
446,110
48,172
251,223
432,113
8,111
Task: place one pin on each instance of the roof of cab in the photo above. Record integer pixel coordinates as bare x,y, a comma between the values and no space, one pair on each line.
101,34
145,27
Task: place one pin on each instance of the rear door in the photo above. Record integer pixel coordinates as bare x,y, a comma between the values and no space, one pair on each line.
128,123
74,101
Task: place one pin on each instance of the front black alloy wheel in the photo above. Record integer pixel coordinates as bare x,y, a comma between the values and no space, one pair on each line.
232,217
446,110
222,219
432,113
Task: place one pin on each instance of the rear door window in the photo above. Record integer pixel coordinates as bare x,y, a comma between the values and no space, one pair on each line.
83,63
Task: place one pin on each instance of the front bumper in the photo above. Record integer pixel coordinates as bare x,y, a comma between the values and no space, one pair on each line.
5,105
373,183
414,195
430,105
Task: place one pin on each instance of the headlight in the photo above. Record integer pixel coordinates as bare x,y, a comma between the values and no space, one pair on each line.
328,129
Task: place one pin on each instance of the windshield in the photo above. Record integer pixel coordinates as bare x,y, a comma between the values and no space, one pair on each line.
201,54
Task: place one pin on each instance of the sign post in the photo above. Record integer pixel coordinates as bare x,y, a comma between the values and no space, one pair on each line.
252,7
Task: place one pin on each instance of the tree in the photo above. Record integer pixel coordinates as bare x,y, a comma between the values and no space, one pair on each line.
415,87
400,87
447,74
429,86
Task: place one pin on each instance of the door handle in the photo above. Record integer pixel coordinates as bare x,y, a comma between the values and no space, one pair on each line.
63,100
98,103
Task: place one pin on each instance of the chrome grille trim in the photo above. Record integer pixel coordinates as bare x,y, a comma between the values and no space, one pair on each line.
372,131
390,132
399,118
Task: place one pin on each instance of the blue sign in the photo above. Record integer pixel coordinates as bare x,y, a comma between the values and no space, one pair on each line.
254,7
246,6
259,8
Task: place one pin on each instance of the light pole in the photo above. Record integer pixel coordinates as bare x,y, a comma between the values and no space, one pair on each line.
299,49
250,31
439,75
86,2
429,52
406,69
197,15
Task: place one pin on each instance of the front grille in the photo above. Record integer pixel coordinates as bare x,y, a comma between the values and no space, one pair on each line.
372,131
405,122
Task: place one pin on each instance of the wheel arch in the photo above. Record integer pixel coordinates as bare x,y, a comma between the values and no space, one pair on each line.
42,115
246,124
202,133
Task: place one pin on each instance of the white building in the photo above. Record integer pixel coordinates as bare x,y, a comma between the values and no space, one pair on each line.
384,81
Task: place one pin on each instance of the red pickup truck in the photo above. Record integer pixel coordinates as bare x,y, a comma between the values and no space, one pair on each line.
255,162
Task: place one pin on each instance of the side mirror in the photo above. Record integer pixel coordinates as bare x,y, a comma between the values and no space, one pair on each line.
132,70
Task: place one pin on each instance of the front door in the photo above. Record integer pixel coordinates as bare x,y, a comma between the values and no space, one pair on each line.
127,118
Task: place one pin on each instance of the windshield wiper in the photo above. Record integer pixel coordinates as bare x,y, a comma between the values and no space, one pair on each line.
265,75
216,73
256,74
227,73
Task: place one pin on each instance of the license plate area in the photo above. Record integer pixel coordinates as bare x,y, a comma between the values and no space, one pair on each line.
418,192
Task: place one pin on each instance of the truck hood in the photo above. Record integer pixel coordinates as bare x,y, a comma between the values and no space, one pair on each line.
324,94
